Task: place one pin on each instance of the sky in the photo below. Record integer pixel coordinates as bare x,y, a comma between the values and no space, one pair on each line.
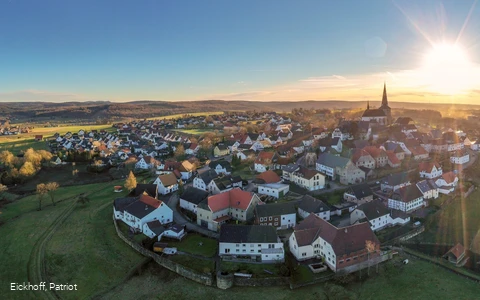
118,50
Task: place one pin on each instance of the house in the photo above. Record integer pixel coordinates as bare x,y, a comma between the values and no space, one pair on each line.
380,155
460,157
343,208
308,179
395,181
340,248
309,205
279,215
147,189
191,197
428,188
268,177
167,183
277,190
192,149
393,160
255,242
376,214
264,161
220,150
447,182
38,137
146,162
217,209
407,199
224,183
359,193
203,180
136,211
418,152
362,158
153,229
337,167
55,160
221,167
456,255
430,170
174,231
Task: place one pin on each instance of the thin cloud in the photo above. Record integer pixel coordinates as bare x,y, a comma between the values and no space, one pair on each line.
45,96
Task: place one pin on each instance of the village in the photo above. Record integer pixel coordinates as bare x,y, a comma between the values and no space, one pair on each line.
335,201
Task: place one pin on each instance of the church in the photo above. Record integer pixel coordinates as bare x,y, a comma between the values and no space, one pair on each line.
382,115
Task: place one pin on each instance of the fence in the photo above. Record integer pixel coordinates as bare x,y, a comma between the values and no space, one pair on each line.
206,279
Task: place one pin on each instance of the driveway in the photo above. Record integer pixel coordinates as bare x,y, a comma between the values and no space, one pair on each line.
181,220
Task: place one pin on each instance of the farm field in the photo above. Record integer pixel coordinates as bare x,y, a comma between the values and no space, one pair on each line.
197,114
405,283
198,131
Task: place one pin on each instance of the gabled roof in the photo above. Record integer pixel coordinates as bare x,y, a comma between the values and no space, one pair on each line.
312,205
150,189
374,113
268,177
264,157
449,177
457,250
373,209
392,157
344,241
168,179
332,161
426,185
361,190
139,206
428,166
407,193
396,179
156,227
235,198
276,209
248,234
194,195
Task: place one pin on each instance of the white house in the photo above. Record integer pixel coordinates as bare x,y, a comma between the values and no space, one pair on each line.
167,183
315,238
447,183
428,188
136,211
276,190
220,167
309,205
406,199
203,180
191,197
258,243
279,215
460,157
375,213
430,170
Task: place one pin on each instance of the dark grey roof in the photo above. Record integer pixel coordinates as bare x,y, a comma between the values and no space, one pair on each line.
222,147
225,164
156,227
332,161
208,176
139,209
290,168
312,205
407,193
276,209
150,189
396,179
248,234
361,190
426,185
194,195
374,113
373,209
121,203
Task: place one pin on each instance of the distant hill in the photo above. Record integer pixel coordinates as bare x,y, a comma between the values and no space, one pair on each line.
93,110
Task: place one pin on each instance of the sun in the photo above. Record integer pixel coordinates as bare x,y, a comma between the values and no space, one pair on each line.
448,70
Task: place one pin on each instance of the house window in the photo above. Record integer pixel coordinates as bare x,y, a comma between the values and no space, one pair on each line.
269,218
304,254
227,250
259,245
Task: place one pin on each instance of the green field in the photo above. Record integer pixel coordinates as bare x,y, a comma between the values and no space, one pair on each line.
197,245
458,222
417,280
257,270
22,145
198,114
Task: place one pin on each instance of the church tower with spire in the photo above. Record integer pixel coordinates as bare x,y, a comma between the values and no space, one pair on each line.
386,109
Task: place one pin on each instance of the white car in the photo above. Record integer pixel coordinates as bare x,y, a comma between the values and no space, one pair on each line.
170,251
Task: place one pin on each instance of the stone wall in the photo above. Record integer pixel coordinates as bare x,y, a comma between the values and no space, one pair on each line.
206,279
269,281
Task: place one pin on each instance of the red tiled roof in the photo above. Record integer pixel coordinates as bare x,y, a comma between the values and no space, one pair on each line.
449,177
264,156
427,166
374,151
235,198
392,157
457,250
269,177
358,153
150,201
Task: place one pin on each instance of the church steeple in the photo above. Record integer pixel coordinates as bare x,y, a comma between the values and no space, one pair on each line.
384,98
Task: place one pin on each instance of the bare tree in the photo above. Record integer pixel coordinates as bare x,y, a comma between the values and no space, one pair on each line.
370,247
51,188
41,191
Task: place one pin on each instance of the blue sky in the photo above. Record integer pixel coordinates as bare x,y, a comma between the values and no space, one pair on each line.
252,50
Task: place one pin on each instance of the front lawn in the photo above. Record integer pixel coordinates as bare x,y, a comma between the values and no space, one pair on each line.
194,263
196,244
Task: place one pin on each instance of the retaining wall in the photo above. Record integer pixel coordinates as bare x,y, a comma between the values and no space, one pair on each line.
206,279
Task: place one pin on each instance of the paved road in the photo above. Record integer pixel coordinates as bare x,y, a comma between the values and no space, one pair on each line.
180,219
